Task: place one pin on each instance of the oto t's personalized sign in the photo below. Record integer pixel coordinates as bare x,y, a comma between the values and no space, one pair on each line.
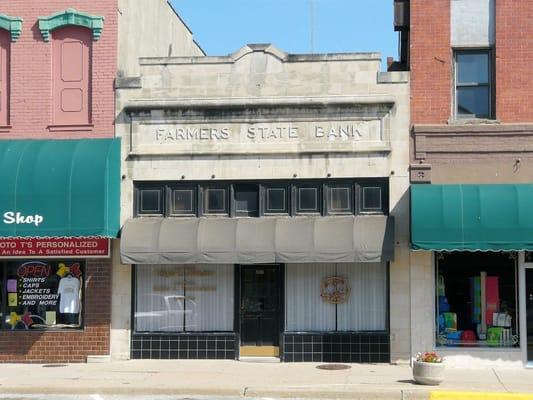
54,247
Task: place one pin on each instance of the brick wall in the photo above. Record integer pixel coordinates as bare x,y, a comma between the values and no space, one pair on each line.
30,95
73,346
431,61
514,53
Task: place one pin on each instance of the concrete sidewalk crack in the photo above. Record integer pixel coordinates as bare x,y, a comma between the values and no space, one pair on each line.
499,380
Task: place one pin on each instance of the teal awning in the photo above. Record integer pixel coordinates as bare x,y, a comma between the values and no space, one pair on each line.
59,188
472,217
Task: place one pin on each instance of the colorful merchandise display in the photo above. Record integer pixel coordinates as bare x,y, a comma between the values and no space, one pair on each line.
478,321
43,294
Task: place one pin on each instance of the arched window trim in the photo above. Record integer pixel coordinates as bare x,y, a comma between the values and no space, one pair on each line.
71,17
11,24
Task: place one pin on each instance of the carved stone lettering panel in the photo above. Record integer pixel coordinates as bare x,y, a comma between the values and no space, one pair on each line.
262,137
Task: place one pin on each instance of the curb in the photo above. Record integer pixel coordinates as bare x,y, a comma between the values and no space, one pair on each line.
246,392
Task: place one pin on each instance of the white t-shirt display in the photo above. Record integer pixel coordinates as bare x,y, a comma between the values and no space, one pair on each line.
69,291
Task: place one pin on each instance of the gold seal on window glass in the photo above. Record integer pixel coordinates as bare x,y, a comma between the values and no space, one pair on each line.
335,290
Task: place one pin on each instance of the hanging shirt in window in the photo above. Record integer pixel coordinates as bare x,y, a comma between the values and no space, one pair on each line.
69,290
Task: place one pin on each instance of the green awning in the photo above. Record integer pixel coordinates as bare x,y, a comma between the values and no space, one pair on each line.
60,188
472,217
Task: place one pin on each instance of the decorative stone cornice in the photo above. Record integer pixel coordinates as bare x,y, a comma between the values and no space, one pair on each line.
71,17
11,24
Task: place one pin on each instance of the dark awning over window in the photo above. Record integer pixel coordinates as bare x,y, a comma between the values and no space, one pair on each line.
472,217
257,240
60,188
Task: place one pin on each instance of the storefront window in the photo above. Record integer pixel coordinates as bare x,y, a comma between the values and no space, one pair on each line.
42,294
477,299
336,297
176,298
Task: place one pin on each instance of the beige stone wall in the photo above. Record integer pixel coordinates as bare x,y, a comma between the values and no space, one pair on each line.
271,88
151,28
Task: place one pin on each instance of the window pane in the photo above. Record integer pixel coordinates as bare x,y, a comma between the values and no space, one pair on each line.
372,198
276,200
159,305
476,300
308,199
305,308
171,298
473,101
246,200
151,201
183,201
340,199
209,298
44,294
366,306
215,201
472,68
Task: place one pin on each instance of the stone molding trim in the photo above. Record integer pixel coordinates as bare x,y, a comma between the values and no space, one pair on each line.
11,24
387,101
266,48
71,17
471,138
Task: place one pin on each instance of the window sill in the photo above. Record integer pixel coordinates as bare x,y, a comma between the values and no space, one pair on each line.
473,121
70,128
463,349
5,128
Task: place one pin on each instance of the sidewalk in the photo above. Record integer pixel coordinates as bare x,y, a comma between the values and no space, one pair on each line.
250,379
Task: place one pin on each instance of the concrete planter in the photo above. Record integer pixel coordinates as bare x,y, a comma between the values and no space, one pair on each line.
426,373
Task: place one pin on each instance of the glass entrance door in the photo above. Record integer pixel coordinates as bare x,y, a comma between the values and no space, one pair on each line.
529,313
260,309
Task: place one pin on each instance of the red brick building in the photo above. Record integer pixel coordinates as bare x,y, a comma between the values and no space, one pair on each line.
58,62
471,173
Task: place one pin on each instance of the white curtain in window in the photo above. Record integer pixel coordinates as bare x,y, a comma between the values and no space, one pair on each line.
305,309
209,298
366,308
159,298
177,298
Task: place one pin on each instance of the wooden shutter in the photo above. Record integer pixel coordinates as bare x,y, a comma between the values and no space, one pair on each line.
71,69
4,77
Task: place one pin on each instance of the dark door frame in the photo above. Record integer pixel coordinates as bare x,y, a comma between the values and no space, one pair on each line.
238,294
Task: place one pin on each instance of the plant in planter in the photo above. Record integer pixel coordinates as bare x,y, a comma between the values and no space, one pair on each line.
428,369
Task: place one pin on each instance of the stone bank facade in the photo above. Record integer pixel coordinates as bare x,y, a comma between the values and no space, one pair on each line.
264,208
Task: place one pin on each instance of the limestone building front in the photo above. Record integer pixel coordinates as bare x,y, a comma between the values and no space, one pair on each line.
264,208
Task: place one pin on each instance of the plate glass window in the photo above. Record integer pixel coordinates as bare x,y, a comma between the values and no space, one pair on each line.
215,201
340,199
372,199
473,84
183,201
477,299
42,294
246,200
308,200
276,200
150,201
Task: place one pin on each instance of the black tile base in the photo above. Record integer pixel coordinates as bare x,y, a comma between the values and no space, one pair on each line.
369,347
198,346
